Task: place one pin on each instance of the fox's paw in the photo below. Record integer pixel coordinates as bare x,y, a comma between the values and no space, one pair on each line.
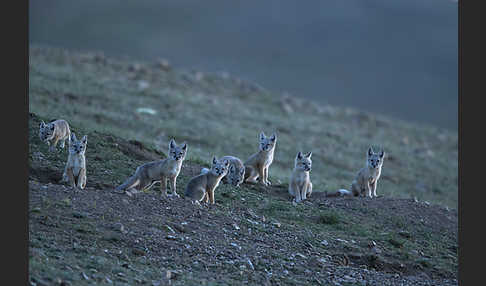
175,195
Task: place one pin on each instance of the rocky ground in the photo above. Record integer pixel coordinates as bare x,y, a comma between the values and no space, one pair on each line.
252,235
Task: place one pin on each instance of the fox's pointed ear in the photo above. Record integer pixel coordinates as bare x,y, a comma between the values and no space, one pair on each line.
370,151
43,124
85,139
226,163
299,155
382,154
262,135
184,146
274,137
215,161
308,155
172,143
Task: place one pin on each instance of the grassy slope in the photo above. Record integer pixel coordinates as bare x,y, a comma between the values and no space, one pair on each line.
72,234
220,115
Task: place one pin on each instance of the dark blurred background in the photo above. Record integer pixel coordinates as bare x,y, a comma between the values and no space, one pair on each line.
393,57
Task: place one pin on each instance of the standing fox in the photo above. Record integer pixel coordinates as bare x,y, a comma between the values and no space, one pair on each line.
75,171
57,130
257,165
203,185
236,172
367,177
148,174
300,185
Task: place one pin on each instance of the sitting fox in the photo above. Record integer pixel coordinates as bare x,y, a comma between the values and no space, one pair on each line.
366,179
148,174
257,165
236,172
55,131
300,185
75,170
201,188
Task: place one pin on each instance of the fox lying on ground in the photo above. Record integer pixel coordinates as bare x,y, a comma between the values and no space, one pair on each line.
201,187
257,165
236,172
55,131
366,179
300,185
148,174
75,170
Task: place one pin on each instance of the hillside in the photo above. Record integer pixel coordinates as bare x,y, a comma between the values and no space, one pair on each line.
253,235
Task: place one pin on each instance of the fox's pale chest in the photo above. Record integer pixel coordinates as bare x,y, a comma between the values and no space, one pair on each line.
77,163
301,178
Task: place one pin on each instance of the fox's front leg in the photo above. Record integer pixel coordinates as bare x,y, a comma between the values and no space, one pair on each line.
373,188
70,176
265,174
296,191
54,144
309,190
173,185
205,197
261,175
81,179
211,196
163,186
368,188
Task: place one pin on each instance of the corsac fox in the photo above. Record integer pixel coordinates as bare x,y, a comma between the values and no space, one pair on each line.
75,171
300,185
201,187
148,174
55,131
236,172
257,165
366,179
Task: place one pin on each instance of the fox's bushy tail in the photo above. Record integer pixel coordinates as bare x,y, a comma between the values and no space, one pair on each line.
128,183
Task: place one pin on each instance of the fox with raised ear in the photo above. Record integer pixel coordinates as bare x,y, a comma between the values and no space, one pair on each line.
75,170
55,131
256,167
201,187
300,186
367,178
164,170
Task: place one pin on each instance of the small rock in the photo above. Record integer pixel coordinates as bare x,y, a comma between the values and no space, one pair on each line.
171,237
143,85
119,227
137,251
163,64
85,276
301,255
171,274
251,264
324,242
236,226
277,224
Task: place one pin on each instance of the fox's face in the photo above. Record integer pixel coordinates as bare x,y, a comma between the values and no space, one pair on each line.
303,161
375,160
78,147
177,152
267,143
46,131
235,177
220,168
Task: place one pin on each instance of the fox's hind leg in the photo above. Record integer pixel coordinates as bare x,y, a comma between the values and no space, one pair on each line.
252,175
